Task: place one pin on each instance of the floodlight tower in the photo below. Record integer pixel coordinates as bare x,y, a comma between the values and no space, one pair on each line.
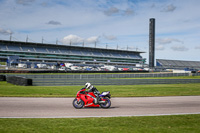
151,42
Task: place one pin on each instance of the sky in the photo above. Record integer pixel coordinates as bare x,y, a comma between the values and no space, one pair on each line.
113,24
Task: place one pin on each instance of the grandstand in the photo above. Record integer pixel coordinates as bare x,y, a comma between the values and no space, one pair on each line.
177,64
54,53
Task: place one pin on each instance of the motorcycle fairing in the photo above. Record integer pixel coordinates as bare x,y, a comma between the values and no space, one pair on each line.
88,100
104,94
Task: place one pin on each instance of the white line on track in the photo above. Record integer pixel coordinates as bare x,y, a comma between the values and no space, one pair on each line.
104,116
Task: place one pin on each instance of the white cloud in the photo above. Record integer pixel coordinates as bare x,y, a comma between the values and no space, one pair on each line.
111,11
5,32
129,11
169,8
52,22
74,39
179,48
114,11
110,37
197,47
167,40
24,2
92,40
160,47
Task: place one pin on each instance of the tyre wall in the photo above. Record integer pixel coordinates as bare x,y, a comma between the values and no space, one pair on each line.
2,78
19,81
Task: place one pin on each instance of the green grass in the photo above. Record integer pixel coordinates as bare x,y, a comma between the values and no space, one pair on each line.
9,90
153,124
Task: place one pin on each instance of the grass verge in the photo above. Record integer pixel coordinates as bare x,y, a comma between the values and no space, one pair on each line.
156,124
9,90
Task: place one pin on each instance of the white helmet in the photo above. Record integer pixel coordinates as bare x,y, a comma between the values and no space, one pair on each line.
87,85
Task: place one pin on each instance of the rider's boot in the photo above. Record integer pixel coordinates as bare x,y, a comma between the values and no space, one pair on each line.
96,100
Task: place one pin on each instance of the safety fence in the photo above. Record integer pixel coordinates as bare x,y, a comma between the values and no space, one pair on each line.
108,79
53,82
100,76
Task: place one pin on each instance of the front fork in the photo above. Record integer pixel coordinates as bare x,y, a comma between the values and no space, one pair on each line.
78,100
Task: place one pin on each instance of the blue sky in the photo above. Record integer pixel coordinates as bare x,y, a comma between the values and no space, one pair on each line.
111,23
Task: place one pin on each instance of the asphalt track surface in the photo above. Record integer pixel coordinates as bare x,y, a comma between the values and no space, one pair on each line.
14,107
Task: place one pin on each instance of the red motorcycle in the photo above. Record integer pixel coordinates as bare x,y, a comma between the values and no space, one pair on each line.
87,99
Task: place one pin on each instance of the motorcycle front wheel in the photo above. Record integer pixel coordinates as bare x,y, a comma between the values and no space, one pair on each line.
78,104
107,103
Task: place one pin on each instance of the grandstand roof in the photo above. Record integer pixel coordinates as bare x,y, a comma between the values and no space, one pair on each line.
67,46
56,53
177,63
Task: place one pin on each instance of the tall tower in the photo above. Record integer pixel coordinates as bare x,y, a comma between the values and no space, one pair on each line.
151,42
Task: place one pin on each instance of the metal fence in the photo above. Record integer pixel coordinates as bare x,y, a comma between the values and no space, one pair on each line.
101,76
196,74
53,82
107,79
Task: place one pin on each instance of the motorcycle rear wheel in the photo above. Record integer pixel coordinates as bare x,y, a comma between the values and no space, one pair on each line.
78,104
107,104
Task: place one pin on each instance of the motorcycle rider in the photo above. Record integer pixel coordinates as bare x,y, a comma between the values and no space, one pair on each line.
93,89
